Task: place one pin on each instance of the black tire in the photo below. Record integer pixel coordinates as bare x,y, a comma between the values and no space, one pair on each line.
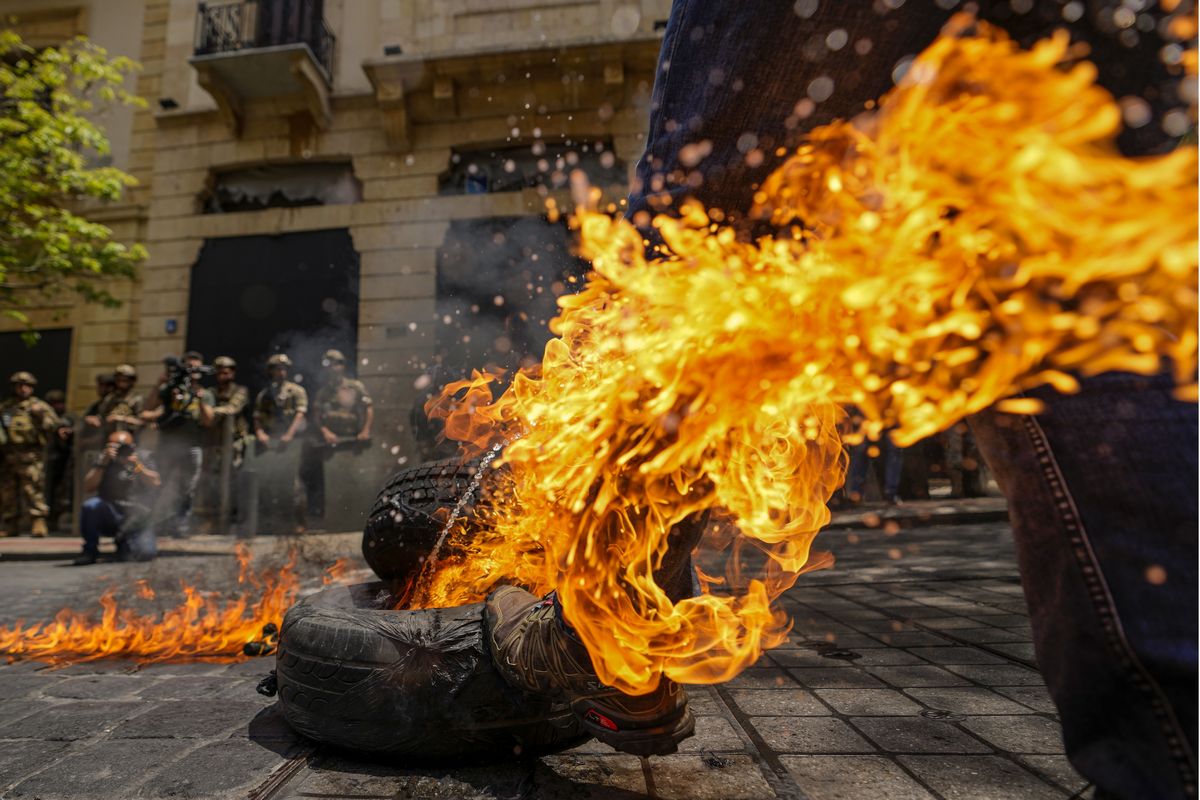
406,683
410,512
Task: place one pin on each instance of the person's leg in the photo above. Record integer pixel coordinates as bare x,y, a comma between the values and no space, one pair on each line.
1103,491
312,476
10,503
856,473
97,518
738,80
137,544
170,470
193,465
204,507
893,467
178,469
952,444
31,480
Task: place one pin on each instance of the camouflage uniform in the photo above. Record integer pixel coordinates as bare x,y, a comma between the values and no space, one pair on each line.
341,406
274,410
27,426
125,404
277,405
231,402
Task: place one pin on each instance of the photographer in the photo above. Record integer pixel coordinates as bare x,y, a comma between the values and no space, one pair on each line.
123,487
180,409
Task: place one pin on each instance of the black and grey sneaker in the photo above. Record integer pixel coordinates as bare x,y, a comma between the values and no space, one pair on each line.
537,652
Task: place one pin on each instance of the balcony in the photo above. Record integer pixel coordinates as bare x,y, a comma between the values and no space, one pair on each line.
264,50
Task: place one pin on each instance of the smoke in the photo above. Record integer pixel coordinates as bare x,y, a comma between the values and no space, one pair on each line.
498,284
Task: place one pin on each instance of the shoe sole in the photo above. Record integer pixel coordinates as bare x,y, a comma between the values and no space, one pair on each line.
659,740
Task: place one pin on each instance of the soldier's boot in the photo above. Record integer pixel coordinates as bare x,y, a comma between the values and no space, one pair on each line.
39,528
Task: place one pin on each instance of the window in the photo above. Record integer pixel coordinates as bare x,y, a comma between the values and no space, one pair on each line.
511,169
282,186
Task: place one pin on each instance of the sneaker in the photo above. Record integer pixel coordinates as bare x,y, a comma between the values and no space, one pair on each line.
84,560
538,653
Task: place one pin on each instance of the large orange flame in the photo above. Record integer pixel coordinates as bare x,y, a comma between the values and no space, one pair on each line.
204,625
977,235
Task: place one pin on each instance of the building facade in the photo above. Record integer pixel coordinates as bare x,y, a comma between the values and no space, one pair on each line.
369,175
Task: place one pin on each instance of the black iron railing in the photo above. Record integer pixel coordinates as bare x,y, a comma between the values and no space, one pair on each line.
250,24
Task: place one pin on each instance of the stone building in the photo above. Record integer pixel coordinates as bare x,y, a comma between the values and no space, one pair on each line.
369,175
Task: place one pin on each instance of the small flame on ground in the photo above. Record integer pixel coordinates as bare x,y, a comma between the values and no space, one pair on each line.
205,625
336,572
978,235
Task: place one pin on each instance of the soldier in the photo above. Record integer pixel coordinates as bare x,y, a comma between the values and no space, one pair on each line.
26,425
279,412
231,399
104,387
121,409
342,414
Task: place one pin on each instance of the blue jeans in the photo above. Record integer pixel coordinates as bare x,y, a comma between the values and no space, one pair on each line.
99,517
1102,484
860,462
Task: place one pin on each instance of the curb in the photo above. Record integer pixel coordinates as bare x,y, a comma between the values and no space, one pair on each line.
922,518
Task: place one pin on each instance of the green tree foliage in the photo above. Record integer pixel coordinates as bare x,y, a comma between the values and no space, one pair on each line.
50,154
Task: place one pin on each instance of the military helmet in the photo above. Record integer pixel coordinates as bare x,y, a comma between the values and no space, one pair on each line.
23,377
334,355
279,360
125,371
56,396
224,361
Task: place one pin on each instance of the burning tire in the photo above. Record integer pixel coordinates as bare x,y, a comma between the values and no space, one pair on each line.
404,523
356,675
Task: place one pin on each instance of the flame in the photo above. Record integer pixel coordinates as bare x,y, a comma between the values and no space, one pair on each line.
337,571
977,235
204,625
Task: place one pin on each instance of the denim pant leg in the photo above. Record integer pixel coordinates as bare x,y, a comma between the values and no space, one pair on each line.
97,518
893,466
1103,505
1118,649
856,473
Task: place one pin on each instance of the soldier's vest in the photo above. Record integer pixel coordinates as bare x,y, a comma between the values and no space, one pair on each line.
20,426
341,407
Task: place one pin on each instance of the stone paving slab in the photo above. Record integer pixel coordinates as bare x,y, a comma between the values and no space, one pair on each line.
892,684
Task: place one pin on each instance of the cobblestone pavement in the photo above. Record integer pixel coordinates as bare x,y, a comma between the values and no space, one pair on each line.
909,674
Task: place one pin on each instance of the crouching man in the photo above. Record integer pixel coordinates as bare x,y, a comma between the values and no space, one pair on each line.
122,489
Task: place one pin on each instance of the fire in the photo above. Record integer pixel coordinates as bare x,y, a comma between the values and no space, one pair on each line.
204,625
337,571
977,235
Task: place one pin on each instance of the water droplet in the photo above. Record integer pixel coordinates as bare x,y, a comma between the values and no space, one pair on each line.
805,8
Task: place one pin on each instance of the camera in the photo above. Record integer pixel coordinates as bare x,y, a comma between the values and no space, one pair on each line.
179,391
